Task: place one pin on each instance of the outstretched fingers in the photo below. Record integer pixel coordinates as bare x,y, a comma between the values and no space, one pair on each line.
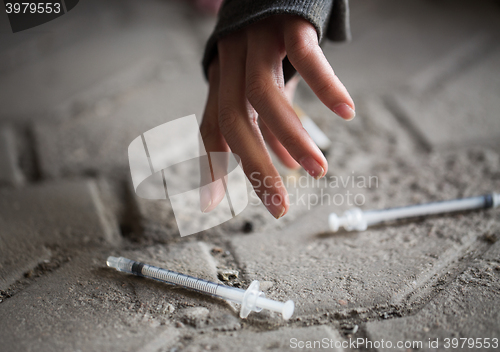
265,91
238,124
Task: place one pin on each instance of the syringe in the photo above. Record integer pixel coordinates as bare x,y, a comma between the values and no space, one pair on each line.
251,300
357,220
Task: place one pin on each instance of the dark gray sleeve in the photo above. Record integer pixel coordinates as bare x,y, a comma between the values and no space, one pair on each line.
329,17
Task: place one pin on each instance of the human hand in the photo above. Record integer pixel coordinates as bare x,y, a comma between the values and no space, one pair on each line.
247,104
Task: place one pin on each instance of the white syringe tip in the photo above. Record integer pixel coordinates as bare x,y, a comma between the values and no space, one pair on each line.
112,262
288,309
333,222
496,200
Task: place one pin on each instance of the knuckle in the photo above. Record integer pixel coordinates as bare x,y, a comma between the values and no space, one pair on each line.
228,124
256,89
254,169
250,167
325,88
227,118
300,47
289,140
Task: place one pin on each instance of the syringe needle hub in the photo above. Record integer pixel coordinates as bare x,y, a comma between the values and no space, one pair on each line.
251,300
357,220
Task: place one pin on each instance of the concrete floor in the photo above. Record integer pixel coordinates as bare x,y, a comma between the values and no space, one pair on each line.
425,76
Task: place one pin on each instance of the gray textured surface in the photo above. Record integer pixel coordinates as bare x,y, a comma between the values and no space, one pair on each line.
452,114
39,221
155,220
75,94
393,41
96,140
114,41
466,308
379,269
10,173
286,339
85,306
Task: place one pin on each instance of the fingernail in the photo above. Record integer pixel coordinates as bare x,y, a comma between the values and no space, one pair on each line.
312,167
205,199
274,204
276,211
281,213
344,111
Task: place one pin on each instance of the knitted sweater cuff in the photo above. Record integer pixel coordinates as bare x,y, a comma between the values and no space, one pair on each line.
329,17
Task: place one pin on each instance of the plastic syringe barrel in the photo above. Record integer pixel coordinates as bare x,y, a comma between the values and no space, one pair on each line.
172,277
450,206
251,299
356,219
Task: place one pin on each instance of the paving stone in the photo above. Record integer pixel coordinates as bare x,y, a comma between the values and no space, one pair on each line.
58,73
25,47
114,207
390,44
462,111
154,220
374,133
85,306
195,316
161,341
96,143
37,221
10,173
467,309
357,274
122,40
99,97
435,75
315,338
493,254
